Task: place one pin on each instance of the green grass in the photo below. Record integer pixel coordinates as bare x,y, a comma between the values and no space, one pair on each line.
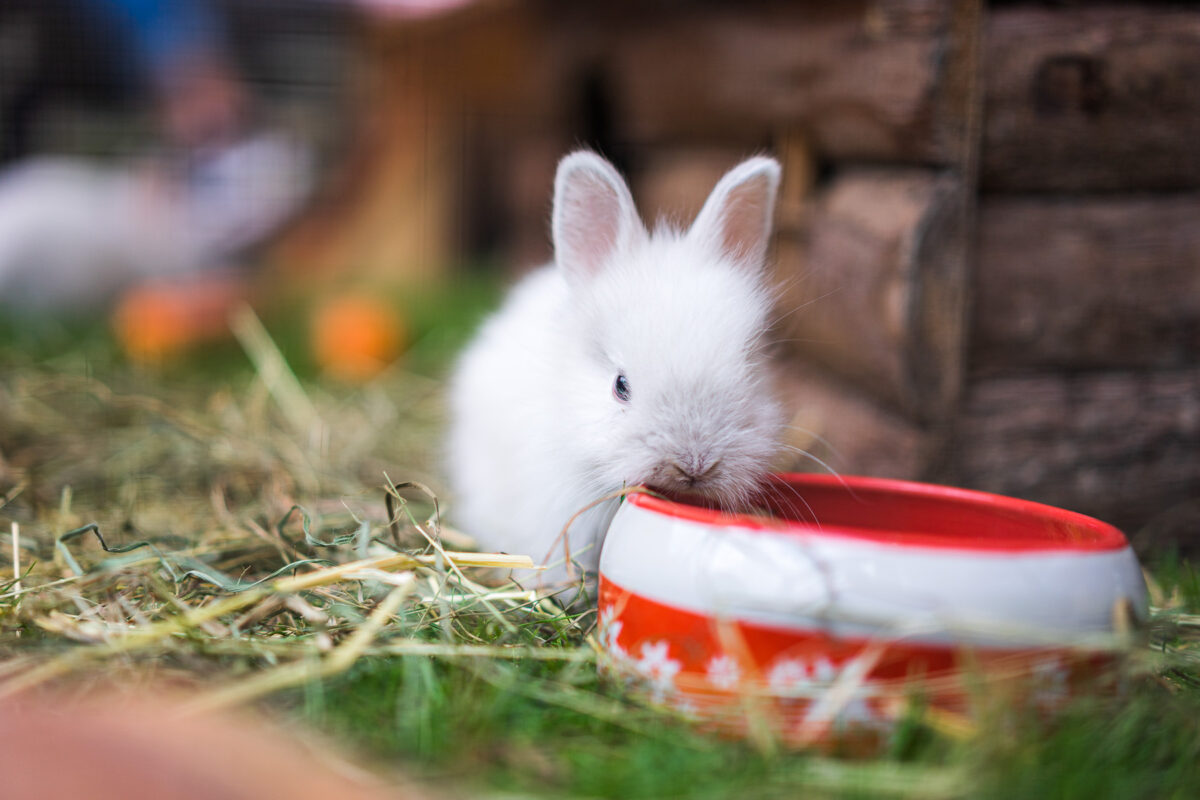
1178,577
508,727
499,727
439,318
197,454
1144,746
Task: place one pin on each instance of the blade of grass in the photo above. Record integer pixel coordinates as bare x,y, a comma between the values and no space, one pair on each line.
340,659
16,557
436,544
274,372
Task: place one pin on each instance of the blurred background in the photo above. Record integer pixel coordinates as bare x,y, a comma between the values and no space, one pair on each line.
987,237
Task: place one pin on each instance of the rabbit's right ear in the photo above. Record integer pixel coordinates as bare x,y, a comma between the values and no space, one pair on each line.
594,216
736,218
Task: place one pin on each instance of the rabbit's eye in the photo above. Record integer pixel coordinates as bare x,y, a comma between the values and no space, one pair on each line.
621,388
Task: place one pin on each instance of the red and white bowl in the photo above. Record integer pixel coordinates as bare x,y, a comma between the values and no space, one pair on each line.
851,594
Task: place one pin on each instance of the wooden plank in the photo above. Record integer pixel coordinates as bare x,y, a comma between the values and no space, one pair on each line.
416,182
873,286
1085,98
1123,446
842,430
865,80
1087,282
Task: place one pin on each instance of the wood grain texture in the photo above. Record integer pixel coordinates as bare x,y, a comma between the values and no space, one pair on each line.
1087,282
672,183
1089,98
874,286
865,80
838,425
1118,445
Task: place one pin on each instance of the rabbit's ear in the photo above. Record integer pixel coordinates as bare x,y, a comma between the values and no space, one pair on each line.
736,218
594,217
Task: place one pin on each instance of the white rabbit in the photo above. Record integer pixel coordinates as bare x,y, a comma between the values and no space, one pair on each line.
635,358
74,233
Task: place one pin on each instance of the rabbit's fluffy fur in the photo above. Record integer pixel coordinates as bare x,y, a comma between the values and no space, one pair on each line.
538,426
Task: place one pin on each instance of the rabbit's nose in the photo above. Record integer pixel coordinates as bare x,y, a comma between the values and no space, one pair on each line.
680,474
691,472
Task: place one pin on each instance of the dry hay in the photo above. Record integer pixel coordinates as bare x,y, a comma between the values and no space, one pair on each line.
239,539
245,538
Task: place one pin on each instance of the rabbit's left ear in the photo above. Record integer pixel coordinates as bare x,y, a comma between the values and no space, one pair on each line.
736,218
594,218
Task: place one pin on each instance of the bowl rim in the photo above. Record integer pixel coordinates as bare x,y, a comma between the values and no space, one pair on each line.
1098,536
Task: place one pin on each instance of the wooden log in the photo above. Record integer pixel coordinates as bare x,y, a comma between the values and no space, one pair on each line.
1085,98
873,80
1087,282
1122,446
672,182
833,426
873,287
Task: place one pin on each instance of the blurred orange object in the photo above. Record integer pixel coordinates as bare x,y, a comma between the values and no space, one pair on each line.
354,336
156,321
53,748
